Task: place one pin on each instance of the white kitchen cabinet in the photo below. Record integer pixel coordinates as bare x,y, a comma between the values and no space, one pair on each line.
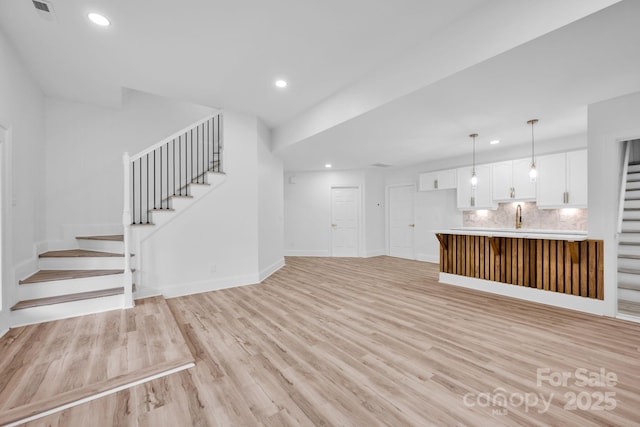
510,181
438,180
562,180
480,197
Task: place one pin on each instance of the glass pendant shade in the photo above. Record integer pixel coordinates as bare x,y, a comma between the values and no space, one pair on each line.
533,172
474,180
474,177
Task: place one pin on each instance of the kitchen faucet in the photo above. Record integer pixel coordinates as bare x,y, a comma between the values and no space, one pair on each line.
519,216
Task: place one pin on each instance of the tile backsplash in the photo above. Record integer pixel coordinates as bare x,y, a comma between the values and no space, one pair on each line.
532,217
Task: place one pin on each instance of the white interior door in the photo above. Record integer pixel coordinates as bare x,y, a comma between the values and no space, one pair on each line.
345,221
401,221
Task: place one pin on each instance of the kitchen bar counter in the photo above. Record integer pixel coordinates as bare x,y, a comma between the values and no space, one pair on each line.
559,261
522,233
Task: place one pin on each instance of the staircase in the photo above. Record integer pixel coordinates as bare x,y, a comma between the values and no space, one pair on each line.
73,282
629,244
98,273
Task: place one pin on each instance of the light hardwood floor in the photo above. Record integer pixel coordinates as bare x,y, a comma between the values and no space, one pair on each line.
52,364
366,342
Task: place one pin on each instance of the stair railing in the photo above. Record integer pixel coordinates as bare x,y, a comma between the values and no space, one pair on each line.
165,170
623,184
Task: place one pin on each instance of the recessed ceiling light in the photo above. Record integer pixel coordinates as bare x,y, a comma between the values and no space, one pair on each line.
494,142
281,83
98,19
328,165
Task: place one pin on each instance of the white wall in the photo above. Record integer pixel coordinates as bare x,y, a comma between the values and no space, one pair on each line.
610,122
84,151
374,202
433,210
22,113
270,206
307,210
218,242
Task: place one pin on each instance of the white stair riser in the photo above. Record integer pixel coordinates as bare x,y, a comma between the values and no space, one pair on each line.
65,310
630,226
629,295
626,215
82,263
628,281
632,204
71,286
633,168
633,185
629,263
101,245
628,250
630,237
631,195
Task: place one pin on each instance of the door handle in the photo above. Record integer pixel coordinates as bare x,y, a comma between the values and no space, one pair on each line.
334,225
412,225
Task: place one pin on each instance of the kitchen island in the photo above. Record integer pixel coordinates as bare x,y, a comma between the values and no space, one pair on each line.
559,261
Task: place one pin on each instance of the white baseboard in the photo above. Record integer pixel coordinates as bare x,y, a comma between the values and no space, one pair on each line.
25,269
182,289
428,258
144,292
571,302
3,332
296,252
266,272
371,254
628,318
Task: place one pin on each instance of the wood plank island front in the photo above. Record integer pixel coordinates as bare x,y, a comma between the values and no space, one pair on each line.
563,263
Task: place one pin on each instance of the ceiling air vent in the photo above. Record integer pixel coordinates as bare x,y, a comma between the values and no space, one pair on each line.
45,9
381,165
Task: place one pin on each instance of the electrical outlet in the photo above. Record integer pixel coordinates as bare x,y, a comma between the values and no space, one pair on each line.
213,268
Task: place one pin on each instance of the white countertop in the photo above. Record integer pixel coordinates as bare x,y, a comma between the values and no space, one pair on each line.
522,233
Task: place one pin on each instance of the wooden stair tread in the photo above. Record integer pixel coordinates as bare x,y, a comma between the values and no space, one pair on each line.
110,238
59,299
628,271
79,253
630,219
629,307
634,162
629,256
53,275
629,243
632,209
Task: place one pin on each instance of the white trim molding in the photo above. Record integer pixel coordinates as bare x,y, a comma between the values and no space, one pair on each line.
571,302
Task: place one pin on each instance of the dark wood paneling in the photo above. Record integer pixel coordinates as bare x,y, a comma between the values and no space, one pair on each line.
574,268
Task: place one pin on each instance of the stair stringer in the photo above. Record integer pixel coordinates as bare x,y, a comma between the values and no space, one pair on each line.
161,218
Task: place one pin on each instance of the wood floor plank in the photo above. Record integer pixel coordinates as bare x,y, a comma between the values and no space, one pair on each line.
331,341
50,364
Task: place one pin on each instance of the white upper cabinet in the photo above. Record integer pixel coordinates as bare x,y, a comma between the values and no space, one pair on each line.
510,181
439,180
480,197
562,180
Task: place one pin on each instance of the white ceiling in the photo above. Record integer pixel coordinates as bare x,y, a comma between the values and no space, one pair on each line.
552,78
392,81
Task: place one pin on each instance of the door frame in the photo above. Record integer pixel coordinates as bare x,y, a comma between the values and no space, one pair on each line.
7,282
387,217
359,234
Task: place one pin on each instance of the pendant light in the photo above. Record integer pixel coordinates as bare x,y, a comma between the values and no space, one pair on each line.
533,172
474,177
